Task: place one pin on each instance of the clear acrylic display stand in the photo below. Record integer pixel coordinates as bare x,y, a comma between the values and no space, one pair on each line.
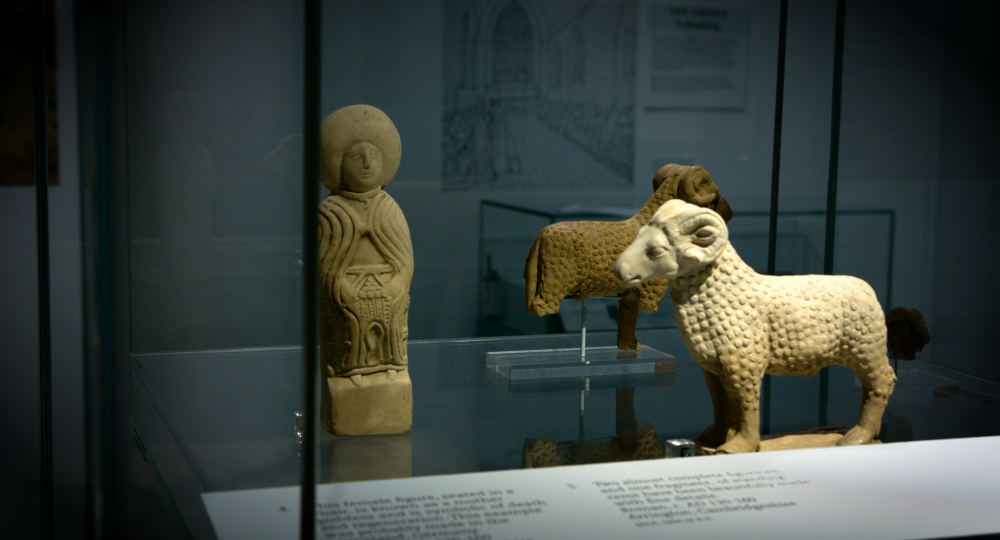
578,362
920,384
919,396
913,383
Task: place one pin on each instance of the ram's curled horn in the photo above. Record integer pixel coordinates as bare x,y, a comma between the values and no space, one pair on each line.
702,218
688,217
694,185
669,171
707,234
691,187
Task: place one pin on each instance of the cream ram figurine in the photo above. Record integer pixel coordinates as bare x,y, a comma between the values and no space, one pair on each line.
575,259
739,325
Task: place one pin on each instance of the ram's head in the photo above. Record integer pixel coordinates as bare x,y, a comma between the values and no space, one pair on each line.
694,185
680,239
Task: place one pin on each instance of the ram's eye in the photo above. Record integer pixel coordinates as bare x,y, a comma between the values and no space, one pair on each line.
703,233
654,252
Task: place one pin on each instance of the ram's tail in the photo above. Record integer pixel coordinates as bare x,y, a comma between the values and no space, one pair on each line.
531,274
907,332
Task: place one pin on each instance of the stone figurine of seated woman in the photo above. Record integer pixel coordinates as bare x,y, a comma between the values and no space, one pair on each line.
365,269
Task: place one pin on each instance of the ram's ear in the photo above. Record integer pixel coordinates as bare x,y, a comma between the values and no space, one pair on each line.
707,235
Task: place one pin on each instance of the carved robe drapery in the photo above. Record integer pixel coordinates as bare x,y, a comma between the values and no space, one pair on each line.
366,262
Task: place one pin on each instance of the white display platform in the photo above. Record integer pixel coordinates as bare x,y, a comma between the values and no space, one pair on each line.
921,489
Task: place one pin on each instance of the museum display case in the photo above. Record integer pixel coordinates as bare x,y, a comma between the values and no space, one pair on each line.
200,174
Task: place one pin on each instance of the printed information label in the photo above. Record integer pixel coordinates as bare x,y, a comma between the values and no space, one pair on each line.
901,490
462,515
693,56
676,500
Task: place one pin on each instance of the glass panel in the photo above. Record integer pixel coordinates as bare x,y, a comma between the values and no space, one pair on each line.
505,239
217,420
467,418
514,115
503,136
214,108
795,402
215,114
906,147
548,145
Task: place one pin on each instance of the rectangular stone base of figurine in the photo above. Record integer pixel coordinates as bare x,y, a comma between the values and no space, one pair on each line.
378,406
796,440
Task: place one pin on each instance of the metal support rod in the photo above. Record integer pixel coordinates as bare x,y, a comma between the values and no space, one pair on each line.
779,98
310,234
772,232
831,187
42,238
583,359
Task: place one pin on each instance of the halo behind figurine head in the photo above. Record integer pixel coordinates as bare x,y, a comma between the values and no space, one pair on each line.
350,125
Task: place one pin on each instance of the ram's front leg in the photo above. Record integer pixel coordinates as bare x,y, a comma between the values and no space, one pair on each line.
742,384
723,427
628,313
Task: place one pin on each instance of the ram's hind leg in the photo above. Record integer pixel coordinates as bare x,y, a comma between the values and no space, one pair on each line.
550,291
877,382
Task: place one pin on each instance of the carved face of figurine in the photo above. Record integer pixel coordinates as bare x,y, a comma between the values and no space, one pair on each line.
361,170
359,151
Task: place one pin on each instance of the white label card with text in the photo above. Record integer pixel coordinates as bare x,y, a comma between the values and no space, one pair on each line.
693,55
903,490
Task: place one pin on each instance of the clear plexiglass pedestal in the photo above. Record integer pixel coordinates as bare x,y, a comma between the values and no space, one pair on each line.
579,361
596,361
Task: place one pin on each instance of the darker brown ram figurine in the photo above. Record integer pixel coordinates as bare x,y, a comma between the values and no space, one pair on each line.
575,259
